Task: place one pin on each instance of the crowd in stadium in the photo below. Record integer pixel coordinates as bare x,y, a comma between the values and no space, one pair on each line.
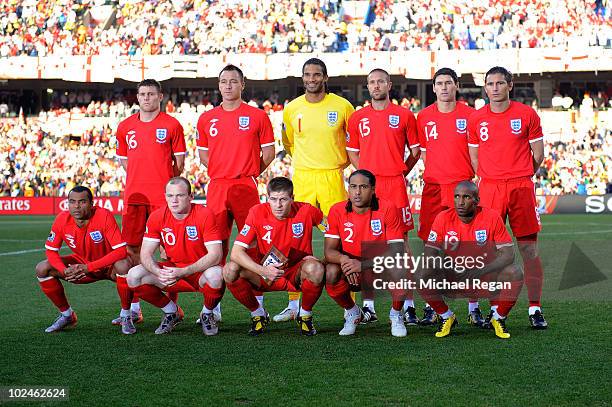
41,160
183,27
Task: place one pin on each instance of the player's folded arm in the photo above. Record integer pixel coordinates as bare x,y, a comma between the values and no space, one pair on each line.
504,257
147,250
55,260
118,253
240,256
210,259
331,249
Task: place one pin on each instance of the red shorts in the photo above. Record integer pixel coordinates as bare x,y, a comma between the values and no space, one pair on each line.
513,199
231,199
188,284
393,189
134,222
288,282
91,277
435,199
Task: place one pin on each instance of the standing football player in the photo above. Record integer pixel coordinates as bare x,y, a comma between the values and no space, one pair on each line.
190,238
378,136
506,147
98,253
236,144
151,149
281,229
314,135
442,130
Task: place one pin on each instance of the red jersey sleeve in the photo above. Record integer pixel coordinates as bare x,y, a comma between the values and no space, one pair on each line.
501,237
202,135
333,223
266,133
54,240
535,128
394,227
353,134
153,229
211,232
473,140
178,140
317,216
420,128
412,138
112,232
121,150
248,233
435,238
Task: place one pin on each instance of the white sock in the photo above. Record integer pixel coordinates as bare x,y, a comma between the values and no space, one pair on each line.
494,308
170,308
447,314
125,313
260,299
369,304
353,311
497,316
68,312
206,310
218,308
472,306
533,309
394,313
408,303
259,312
304,313
293,304
135,306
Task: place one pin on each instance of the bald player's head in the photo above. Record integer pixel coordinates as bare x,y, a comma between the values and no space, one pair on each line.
466,198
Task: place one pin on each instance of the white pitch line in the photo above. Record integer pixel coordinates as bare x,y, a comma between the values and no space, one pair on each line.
22,240
593,232
21,252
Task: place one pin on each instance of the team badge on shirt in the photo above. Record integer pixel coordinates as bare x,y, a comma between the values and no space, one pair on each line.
96,236
192,232
243,122
515,125
245,230
481,237
51,236
297,229
394,121
376,226
433,236
461,125
332,118
161,135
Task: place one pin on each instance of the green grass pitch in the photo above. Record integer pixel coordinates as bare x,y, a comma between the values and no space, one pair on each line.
568,364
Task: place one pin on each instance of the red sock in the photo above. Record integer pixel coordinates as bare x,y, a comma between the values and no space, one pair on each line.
257,293
310,294
54,290
212,296
340,293
434,299
243,292
126,294
135,298
153,295
534,279
507,298
173,295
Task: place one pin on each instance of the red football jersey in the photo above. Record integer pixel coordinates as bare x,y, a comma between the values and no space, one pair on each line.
353,229
444,137
184,240
150,148
503,140
99,237
483,234
291,236
234,140
381,138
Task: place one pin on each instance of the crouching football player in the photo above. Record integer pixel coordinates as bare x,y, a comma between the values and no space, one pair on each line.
98,253
362,219
281,229
189,235
466,232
